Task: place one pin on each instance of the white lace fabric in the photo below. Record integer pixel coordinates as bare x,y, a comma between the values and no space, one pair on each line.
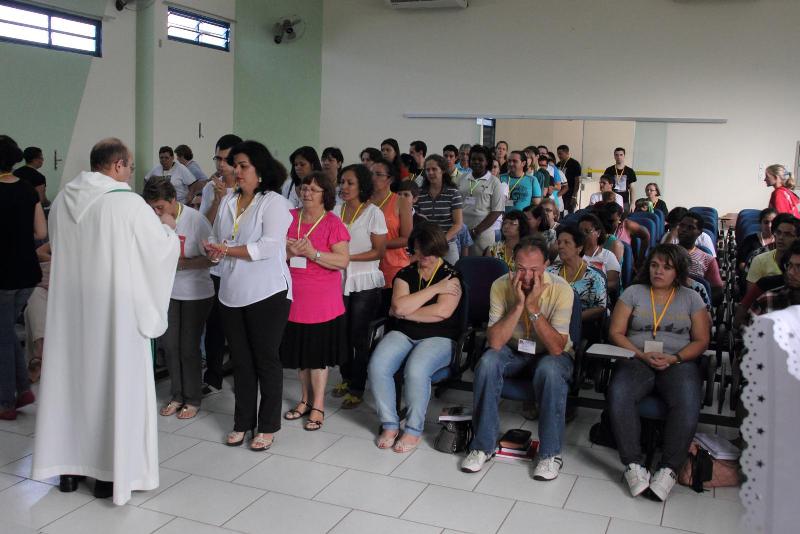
771,368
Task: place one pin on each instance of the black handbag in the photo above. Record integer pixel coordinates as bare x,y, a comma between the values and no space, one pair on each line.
453,437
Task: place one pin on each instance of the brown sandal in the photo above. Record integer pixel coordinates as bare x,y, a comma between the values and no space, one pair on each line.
313,424
295,412
171,408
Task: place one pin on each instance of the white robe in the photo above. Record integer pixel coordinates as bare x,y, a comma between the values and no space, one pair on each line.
110,282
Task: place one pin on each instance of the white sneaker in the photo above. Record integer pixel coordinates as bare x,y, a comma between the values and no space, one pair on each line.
548,468
473,462
662,482
638,478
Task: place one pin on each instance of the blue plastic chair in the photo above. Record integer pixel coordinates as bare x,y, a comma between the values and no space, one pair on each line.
661,223
649,221
710,218
627,265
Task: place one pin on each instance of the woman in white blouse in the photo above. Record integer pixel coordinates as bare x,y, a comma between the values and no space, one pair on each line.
190,302
595,255
363,279
249,242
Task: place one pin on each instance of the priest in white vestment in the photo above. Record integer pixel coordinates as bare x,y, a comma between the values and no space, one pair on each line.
113,265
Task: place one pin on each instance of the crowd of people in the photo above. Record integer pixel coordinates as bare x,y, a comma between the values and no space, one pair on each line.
286,270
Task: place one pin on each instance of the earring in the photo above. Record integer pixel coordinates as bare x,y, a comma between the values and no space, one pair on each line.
259,179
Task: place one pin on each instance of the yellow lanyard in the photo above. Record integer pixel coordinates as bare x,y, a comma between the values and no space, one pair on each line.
577,274
300,220
474,185
657,321
528,324
180,211
385,200
621,172
515,185
239,217
344,210
419,286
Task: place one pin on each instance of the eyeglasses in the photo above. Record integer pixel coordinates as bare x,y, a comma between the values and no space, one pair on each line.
310,190
380,174
217,158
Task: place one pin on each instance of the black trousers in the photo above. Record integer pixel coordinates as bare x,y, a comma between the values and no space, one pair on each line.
181,344
254,335
215,341
361,308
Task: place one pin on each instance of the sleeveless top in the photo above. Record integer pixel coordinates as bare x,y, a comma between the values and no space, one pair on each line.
396,258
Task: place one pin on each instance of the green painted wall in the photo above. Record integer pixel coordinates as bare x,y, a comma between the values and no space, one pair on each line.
145,80
277,88
41,93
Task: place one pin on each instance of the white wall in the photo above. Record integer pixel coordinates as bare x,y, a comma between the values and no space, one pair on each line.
192,84
108,103
733,60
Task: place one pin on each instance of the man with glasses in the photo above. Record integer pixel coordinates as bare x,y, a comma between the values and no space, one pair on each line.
221,183
785,228
702,265
529,319
787,295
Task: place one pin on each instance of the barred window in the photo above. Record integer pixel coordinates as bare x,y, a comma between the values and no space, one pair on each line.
49,28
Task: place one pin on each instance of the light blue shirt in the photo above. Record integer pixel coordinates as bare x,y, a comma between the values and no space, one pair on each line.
521,191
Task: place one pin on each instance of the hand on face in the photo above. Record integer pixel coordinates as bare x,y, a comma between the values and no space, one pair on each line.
532,300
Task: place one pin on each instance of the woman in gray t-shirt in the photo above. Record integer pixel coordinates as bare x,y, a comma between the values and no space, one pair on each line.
668,327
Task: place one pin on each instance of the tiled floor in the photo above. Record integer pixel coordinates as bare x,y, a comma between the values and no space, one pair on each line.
336,480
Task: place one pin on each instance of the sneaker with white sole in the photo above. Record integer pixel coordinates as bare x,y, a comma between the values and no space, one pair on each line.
548,468
662,482
473,462
638,478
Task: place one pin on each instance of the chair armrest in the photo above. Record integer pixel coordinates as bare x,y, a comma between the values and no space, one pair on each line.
710,363
376,330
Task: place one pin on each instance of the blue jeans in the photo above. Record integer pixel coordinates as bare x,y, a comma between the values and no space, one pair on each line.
13,372
423,357
551,378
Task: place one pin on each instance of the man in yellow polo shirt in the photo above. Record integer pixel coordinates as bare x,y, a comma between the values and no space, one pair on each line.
786,229
529,318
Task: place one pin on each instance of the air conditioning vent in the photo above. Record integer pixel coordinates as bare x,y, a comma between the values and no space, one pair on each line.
427,4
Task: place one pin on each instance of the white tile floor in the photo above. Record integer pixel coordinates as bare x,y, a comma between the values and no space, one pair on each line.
336,480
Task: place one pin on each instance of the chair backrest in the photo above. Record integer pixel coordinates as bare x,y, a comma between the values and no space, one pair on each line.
704,249
745,217
661,223
479,273
573,218
649,221
711,235
703,282
627,265
575,323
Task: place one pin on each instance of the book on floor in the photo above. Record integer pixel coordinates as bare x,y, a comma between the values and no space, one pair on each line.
516,438
717,446
516,455
455,413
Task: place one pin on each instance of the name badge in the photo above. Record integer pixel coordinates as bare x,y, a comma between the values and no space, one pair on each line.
526,345
654,346
470,201
298,262
509,203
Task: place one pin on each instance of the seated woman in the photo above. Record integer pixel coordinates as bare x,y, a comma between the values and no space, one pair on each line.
644,205
515,227
624,229
539,222
425,297
667,326
654,196
594,253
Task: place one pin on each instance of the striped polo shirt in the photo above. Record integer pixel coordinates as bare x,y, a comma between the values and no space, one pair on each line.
440,209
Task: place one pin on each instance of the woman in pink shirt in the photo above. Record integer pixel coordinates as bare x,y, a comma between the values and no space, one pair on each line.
315,336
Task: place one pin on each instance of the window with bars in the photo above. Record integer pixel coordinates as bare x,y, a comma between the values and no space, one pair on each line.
48,28
198,29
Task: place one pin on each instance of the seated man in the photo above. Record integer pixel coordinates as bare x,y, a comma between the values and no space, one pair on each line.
701,264
786,229
789,293
529,318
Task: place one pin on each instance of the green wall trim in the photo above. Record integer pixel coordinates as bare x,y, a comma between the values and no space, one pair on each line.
277,88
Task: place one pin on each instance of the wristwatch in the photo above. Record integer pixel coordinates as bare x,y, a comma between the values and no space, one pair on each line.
680,360
534,316
317,256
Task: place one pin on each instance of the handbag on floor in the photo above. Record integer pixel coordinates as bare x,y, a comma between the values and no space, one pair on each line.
453,437
703,471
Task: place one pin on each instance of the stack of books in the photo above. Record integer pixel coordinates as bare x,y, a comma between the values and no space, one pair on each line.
717,446
455,413
516,445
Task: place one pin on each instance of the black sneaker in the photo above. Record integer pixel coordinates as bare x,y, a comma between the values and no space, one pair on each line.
209,390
